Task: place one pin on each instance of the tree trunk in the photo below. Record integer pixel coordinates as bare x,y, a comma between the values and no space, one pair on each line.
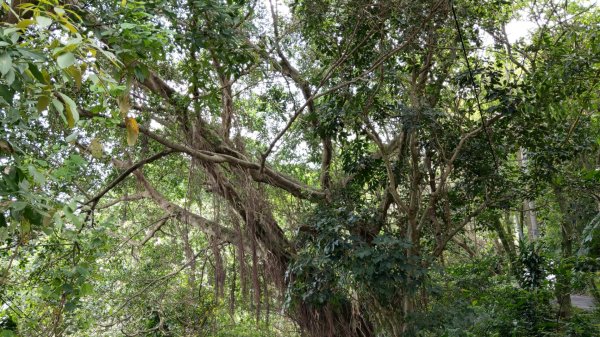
505,238
563,278
528,205
531,220
333,321
519,225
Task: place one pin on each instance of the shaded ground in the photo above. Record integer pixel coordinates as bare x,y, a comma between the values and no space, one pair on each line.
583,302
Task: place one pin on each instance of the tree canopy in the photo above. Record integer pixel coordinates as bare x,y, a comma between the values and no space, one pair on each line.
316,168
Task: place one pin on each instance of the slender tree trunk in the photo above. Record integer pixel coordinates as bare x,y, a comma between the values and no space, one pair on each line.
505,238
533,223
519,225
529,214
563,279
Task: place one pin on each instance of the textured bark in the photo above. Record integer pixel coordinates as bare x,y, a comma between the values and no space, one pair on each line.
529,215
330,321
505,237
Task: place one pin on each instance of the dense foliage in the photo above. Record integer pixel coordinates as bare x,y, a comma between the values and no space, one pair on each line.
299,168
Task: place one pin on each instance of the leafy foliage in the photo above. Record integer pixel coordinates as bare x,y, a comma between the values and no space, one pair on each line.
313,168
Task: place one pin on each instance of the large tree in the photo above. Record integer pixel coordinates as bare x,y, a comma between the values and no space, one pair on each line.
326,151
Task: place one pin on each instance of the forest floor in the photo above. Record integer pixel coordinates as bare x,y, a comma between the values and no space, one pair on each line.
583,302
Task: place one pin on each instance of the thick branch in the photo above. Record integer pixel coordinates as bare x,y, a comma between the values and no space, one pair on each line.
126,173
270,176
207,226
155,228
440,248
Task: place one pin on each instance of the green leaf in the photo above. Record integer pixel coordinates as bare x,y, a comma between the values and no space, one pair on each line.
38,177
110,56
36,73
71,110
65,60
86,289
25,23
72,137
18,205
32,54
10,77
7,93
7,333
14,37
58,105
5,63
3,229
59,11
9,31
141,72
43,21
75,73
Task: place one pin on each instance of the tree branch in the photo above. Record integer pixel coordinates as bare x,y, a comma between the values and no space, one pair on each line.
133,197
270,176
94,200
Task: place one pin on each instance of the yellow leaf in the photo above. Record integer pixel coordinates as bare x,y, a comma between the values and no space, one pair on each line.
132,130
25,230
46,76
124,104
75,73
70,110
59,11
123,3
42,103
69,115
96,148
25,23
70,27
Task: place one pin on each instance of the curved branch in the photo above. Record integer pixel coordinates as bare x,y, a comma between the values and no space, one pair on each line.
94,200
155,228
270,176
133,197
207,226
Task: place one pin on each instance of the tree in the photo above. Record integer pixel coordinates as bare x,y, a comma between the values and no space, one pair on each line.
322,159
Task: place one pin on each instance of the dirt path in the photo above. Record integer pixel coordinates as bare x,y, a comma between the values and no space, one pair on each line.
583,302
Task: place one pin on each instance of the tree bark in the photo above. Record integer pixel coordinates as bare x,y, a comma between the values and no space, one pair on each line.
505,238
529,214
